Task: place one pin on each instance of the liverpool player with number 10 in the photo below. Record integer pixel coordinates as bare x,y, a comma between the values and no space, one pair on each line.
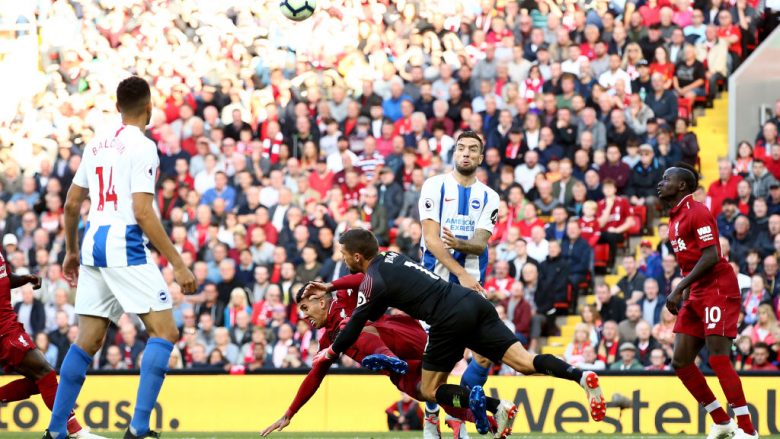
711,305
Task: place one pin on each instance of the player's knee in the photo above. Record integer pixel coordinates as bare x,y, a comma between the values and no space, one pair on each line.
678,363
88,345
482,361
169,334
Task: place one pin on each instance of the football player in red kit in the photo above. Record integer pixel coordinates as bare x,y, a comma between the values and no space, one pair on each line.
711,302
19,354
391,342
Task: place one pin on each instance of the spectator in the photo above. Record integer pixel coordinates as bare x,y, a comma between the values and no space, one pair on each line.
574,354
658,361
628,359
590,360
627,328
520,311
765,329
761,358
609,306
238,304
631,285
609,343
49,351
404,415
130,348
760,179
229,351
652,303
723,188
578,254
642,184
30,311
613,219
114,359
645,343
663,102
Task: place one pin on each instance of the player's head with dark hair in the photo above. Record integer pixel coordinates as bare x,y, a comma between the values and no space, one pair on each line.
359,247
468,154
134,98
677,182
314,305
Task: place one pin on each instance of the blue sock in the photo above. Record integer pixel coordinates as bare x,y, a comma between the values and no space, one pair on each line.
153,368
431,406
475,375
72,375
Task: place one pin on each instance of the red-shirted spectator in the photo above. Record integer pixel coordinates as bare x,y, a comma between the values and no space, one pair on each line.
731,33
529,221
499,285
613,218
724,187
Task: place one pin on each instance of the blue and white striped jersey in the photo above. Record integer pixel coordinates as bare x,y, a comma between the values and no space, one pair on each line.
115,165
463,210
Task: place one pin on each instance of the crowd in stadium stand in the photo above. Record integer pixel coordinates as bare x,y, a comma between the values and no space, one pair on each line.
274,138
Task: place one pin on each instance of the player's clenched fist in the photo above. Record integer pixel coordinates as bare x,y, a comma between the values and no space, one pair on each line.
185,279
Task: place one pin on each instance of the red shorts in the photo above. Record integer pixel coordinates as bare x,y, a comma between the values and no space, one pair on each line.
403,335
709,314
14,345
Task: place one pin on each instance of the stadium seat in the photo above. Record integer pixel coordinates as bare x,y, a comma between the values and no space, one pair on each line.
601,255
685,109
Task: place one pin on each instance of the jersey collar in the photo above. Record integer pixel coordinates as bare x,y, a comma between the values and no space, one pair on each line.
676,208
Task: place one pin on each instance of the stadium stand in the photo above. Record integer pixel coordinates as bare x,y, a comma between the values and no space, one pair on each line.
273,141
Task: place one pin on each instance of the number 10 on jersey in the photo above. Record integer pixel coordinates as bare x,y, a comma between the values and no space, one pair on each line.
106,194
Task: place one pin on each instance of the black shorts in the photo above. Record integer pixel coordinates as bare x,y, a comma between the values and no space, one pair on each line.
473,323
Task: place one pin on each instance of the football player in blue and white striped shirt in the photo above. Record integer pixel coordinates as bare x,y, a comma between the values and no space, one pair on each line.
114,270
458,214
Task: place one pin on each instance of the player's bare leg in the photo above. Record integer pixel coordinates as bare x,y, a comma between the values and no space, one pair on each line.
162,335
92,331
720,361
519,359
686,348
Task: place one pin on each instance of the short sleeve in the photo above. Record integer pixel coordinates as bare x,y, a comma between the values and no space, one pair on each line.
143,170
80,179
430,201
703,227
489,217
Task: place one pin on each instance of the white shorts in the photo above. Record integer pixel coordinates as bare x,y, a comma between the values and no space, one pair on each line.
111,291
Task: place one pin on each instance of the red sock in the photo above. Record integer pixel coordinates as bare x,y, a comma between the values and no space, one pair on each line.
48,388
732,388
694,381
18,390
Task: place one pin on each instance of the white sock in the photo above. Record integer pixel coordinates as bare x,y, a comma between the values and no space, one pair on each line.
741,411
711,407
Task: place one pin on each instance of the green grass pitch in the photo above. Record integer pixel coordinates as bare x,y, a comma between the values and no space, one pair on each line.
384,435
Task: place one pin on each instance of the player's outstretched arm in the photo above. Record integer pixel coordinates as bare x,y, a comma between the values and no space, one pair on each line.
150,224
306,390
437,247
72,210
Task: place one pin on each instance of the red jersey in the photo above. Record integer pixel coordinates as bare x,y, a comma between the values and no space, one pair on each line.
525,227
591,231
7,314
692,228
618,214
719,191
